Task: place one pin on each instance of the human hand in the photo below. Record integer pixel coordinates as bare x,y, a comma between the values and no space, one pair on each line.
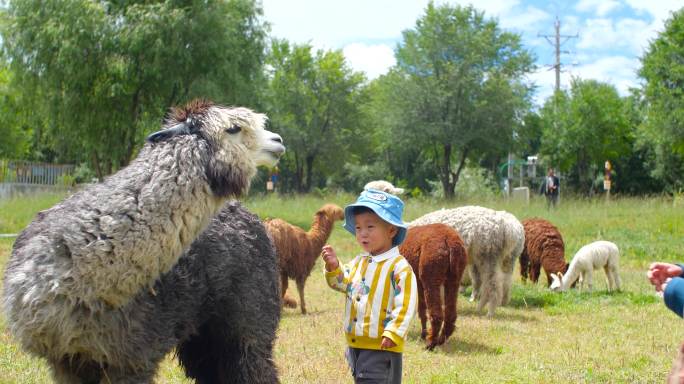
660,273
330,258
387,343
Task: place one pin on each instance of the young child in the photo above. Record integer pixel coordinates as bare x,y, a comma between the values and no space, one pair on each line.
380,287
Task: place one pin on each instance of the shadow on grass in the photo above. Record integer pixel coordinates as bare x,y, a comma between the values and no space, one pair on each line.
456,346
498,315
536,297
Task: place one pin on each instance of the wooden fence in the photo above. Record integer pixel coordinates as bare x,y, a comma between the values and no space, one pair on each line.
27,172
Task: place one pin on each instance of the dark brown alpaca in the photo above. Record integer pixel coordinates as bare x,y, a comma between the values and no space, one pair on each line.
298,250
438,258
543,248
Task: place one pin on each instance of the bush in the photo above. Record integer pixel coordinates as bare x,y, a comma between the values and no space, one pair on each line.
82,174
353,177
474,182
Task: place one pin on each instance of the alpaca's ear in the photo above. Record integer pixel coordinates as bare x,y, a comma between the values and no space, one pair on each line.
560,275
556,281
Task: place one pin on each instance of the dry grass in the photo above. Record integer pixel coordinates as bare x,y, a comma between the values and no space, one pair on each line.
541,337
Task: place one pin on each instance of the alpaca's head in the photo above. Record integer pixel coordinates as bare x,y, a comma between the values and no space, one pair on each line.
332,212
385,186
236,142
557,281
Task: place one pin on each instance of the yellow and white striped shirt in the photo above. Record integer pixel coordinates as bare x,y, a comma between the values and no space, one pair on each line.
381,298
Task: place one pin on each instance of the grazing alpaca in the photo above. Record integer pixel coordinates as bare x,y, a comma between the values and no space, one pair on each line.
544,247
298,250
84,271
438,257
515,235
385,186
493,241
599,254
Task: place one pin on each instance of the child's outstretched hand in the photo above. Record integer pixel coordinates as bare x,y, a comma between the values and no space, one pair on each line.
330,257
387,343
660,273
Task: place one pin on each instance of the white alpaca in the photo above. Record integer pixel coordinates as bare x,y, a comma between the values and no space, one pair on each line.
385,186
599,254
493,240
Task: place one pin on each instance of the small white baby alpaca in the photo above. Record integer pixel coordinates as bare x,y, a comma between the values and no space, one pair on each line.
599,254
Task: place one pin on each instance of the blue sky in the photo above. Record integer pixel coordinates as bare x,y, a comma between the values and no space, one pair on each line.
613,34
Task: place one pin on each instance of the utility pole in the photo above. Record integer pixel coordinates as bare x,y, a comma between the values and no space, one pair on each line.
556,42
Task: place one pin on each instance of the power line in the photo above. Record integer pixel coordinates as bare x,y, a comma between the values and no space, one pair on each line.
556,42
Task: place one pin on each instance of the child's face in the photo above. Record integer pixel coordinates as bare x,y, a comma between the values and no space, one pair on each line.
373,233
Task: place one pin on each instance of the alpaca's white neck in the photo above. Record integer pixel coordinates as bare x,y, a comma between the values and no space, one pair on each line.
571,275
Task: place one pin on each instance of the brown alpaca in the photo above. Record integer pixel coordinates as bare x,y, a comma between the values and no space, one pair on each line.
298,250
543,248
438,258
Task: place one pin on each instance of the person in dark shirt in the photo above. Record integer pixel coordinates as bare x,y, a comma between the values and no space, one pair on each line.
550,188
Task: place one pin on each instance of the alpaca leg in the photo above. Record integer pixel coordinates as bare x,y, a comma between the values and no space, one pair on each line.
421,310
524,266
613,278
490,291
476,277
506,283
219,354
589,276
300,289
535,270
433,299
609,278
450,314
117,376
67,372
287,300
616,278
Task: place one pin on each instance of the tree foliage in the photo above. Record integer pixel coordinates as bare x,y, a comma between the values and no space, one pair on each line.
583,128
314,101
663,128
456,89
14,132
103,73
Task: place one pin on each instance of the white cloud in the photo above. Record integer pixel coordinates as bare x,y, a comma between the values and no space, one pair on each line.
374,60
605,34
600,7
545,81
496,8
527,19
660,10
336,23
619,71
613,33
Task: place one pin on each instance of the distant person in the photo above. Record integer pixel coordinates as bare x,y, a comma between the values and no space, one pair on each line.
379,285
668,280
550,188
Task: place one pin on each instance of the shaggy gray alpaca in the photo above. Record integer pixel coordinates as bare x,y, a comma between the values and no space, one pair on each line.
79,271
494,241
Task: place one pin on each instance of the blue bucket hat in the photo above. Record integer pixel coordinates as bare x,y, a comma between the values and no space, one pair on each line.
385,205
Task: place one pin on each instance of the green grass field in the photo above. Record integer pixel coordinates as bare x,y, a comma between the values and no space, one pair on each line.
540,337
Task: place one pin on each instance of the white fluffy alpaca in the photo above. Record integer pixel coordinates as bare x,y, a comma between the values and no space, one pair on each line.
385,186
599,254
494,241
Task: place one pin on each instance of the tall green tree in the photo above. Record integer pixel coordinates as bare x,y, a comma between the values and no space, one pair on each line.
105,72
14,132
663,129
458,88
584,128
314,101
